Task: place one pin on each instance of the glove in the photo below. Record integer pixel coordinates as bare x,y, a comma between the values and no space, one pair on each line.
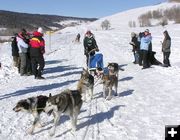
97,50
85,52
132,43
42,50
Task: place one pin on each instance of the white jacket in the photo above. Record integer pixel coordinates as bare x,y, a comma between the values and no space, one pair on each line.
22,46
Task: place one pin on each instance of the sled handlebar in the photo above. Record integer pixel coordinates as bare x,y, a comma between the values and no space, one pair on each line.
95,49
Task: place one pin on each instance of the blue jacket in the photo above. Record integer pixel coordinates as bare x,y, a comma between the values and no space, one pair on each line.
145,41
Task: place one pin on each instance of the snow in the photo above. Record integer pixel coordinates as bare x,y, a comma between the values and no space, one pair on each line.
148,99
122,19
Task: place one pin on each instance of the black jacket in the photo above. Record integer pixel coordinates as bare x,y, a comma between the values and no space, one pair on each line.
89,44
15,50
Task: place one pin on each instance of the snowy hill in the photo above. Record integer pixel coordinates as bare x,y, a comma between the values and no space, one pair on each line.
148,99
122,19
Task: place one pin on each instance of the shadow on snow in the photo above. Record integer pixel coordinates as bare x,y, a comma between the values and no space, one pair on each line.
59,69
36,88
54,61
99,117
126,93
126,79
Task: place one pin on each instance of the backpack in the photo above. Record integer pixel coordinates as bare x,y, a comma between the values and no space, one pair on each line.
15,49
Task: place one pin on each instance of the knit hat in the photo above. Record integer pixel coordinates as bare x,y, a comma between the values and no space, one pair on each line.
133,34
147,30
88,32
40,30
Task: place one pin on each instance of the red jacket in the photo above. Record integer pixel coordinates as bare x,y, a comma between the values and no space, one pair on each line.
37,44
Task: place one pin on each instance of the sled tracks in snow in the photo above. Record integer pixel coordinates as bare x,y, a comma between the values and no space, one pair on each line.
90,130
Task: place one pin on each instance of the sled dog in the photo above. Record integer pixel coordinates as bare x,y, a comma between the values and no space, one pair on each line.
113,69
68,102
86,84
33,105
109,81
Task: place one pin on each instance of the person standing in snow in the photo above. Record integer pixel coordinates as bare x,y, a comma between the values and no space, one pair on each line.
166,49
15,51
78,37
145,47
90,46
22,47
135,44
37,49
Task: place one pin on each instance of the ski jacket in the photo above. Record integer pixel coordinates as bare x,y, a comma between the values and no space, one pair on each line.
145,42
135,43
89,44
166,45
37,44
22,46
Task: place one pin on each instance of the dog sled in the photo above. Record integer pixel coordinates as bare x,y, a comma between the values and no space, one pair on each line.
95,62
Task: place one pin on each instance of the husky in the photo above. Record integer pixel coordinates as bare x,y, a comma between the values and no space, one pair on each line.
33,105
86,84
108,82
113,69
68,102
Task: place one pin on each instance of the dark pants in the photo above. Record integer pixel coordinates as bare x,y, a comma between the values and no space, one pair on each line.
87,59
23,64
166,59
144,57
37,65
140,58
28,67
136,57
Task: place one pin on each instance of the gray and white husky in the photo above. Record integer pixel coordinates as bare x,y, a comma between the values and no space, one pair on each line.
109,81
113,69
33,105
86,84
68,102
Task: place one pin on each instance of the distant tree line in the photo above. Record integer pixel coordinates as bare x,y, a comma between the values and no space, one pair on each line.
163,16
14,21
174,0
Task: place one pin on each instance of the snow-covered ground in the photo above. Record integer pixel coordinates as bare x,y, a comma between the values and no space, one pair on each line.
148,99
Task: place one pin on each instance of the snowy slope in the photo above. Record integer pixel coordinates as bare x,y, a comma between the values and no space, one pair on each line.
122,19
148,99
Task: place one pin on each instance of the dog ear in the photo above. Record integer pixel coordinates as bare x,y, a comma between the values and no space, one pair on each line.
50,95
84,71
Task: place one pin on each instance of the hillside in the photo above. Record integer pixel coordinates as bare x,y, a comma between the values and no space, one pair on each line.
13,21
122,19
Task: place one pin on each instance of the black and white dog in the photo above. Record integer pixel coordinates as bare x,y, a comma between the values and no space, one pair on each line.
33,105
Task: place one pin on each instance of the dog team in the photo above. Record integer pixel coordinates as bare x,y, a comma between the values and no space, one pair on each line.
69,102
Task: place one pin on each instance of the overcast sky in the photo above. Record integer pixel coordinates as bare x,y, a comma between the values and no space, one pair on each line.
77,8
